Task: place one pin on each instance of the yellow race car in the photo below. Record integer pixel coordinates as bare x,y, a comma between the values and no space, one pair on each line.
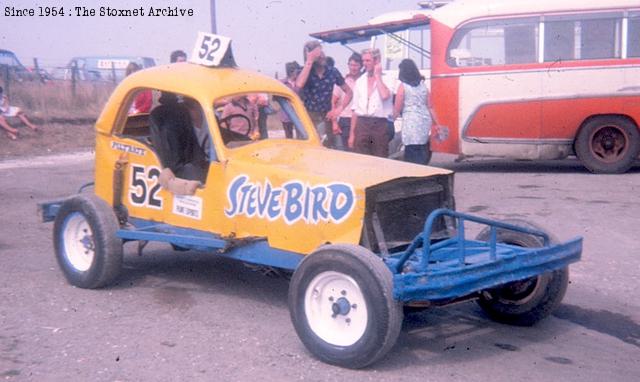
205,168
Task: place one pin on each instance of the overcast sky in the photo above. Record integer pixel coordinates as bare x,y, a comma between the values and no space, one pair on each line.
265,33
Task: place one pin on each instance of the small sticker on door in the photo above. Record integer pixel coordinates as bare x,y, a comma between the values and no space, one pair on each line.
188,206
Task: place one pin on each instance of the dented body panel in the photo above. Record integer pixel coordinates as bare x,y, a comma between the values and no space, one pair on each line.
295,193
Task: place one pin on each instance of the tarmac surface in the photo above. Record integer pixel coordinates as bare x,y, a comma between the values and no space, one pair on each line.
192,316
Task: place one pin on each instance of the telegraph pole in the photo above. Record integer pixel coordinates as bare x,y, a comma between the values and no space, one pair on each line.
213,17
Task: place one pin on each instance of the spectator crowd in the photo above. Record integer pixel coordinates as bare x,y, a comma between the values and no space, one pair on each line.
354,112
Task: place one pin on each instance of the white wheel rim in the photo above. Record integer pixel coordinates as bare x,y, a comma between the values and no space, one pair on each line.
331,291
77,238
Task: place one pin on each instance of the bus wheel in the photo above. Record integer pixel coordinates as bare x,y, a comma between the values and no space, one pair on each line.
86,246
608,145
524,302
342,306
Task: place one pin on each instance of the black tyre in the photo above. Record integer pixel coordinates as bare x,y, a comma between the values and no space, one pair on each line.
86,246
524,302
342,307
608,144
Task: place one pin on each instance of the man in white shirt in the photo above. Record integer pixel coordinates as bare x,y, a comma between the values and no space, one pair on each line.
372,104
342,126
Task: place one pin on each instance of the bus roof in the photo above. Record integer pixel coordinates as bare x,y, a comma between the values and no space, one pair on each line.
399,16
456,12
460,11
364,32
389,22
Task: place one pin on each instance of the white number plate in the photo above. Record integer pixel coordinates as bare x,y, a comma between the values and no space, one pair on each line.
116,64
209,49
144,187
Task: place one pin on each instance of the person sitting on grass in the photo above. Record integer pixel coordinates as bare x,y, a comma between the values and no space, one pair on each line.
12,111
12,133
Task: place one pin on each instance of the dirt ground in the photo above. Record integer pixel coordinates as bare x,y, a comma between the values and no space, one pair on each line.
52,138
200,317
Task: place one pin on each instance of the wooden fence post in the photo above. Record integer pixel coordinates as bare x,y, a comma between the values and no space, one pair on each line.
38,71
37,67
74,77
39,100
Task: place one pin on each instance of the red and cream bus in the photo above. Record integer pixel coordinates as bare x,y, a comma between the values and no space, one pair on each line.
532,79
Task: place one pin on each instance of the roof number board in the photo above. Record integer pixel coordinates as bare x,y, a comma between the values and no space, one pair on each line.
209,49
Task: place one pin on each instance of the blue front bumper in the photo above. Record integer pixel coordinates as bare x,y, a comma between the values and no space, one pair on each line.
458,267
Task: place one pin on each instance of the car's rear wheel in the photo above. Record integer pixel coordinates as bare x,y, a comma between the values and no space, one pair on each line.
86,246
342,307
524,302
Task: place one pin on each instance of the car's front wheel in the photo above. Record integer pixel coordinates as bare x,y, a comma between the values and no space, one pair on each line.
342,307
524,302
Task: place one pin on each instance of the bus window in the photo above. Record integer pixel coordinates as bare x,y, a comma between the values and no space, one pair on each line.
413,43
591,36
393,50
633,36
496,42
420,37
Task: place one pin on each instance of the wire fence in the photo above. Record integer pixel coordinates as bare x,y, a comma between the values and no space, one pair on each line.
53,91
73,72
56,94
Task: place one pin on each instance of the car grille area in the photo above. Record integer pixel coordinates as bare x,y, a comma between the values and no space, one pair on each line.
397,210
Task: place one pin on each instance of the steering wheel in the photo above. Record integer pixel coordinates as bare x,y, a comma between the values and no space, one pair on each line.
225,123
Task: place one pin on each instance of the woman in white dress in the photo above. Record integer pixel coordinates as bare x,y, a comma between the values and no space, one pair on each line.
413,103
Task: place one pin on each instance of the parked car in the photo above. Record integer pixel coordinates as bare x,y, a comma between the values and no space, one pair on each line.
363,236
11,65
103,68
